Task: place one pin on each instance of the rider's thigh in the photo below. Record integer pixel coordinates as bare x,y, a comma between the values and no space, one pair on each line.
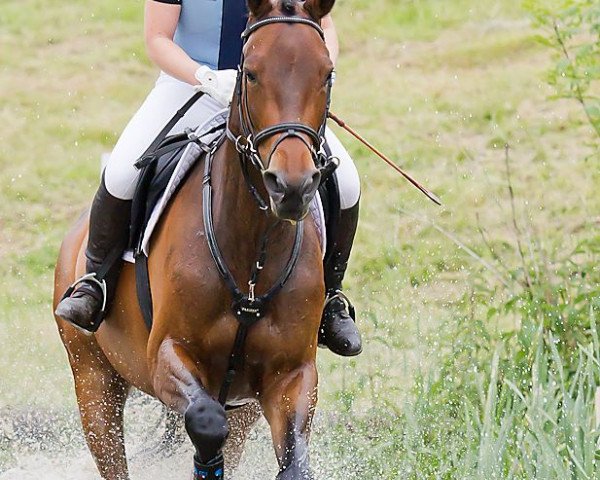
167,96
346,173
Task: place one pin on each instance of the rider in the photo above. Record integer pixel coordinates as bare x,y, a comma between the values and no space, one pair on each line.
197,46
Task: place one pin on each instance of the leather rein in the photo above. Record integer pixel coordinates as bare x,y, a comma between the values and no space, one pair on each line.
250,308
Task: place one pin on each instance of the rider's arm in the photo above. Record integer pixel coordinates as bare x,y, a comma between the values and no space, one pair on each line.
161,17
331,38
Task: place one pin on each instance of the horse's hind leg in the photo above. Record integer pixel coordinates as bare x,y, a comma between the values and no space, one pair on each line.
240,421
101,395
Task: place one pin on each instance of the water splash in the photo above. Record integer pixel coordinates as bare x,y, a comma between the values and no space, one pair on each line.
38,444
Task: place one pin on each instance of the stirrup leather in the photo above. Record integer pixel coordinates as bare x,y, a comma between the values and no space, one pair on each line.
339,295
90,278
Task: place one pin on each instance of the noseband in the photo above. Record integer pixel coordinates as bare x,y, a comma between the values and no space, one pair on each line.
248,141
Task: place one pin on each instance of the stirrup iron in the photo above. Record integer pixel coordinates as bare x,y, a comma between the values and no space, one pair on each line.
90,278
340,295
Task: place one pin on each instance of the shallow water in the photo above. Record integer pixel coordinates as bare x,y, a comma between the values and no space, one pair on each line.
49,445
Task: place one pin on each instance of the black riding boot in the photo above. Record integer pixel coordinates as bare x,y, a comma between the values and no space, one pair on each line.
338,330
88,300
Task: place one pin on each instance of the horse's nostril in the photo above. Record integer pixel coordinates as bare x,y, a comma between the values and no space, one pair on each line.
273,183
299,192
311,184
316,178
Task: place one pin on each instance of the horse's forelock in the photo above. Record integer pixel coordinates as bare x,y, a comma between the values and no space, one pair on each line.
288,6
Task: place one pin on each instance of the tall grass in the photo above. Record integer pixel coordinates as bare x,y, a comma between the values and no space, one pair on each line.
471,420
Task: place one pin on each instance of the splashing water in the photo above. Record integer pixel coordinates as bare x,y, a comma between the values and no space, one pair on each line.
50,445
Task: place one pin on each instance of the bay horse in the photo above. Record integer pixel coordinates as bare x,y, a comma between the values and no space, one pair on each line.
275,124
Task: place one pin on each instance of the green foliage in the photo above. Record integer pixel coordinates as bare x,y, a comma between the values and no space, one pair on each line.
484,411
572,29
494,430
500,399
560,300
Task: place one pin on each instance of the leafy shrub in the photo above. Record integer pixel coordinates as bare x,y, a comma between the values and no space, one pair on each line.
572,29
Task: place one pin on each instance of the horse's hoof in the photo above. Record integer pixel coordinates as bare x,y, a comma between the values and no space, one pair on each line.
295,473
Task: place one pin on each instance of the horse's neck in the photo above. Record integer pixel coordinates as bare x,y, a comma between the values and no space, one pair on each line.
239,223
234,208
233,197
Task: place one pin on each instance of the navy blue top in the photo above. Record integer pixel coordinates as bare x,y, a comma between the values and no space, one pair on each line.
210,31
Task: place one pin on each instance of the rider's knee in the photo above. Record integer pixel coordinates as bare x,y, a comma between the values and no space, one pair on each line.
346,173
206,424
349,185
120,178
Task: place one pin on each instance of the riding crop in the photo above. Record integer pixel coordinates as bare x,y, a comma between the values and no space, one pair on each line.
432,196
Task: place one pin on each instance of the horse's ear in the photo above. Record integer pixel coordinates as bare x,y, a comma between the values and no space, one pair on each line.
259,8
318,8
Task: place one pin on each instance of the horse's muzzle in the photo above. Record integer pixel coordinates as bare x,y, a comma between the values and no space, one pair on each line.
290,198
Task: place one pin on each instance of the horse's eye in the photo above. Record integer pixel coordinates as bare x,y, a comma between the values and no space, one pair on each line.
251,76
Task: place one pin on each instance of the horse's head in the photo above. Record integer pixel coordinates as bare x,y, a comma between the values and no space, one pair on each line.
284,92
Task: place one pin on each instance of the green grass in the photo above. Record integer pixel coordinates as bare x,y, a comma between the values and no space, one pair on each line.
440,86
546,431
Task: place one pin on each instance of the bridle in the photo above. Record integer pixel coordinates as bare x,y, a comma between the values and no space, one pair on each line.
250,308
248,140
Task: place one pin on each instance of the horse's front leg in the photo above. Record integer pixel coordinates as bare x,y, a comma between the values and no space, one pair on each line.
178,383
288,402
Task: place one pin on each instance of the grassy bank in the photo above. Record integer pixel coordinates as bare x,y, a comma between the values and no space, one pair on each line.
441,86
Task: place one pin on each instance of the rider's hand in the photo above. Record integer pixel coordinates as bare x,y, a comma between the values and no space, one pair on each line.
219,84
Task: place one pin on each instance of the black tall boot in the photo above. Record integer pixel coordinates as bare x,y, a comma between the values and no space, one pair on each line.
88,300
338,330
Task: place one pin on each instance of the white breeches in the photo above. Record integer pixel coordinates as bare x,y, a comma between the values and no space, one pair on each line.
167,96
